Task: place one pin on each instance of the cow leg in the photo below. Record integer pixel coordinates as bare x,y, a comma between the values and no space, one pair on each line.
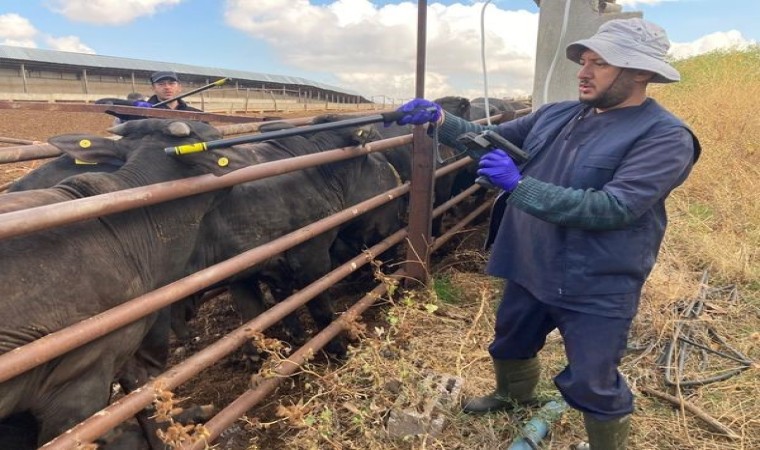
74,403
281,290
186,309
321,309
248,298
310,262
149,361
79,383
183,311
249,302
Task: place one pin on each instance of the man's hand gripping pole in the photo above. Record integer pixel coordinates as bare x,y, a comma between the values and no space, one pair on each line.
479,144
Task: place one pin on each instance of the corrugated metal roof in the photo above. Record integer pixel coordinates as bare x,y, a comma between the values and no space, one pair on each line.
107,62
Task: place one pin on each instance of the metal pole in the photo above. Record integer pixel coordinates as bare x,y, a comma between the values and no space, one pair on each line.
84,81
420,196
194,91
23,79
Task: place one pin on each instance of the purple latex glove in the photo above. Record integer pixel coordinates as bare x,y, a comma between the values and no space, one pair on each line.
142,104
418,112
500,169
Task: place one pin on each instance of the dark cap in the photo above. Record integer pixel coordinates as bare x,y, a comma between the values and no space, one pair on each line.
163,75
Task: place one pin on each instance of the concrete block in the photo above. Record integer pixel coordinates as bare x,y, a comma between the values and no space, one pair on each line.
422,409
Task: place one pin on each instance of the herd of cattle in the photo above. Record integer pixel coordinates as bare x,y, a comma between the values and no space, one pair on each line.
60,276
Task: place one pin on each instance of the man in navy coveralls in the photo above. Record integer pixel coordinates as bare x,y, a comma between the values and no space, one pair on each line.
582,222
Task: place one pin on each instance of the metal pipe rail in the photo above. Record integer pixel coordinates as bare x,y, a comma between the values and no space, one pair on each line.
55,344
226,417
57,214
126,407
28,152
129,405
39,151
38,218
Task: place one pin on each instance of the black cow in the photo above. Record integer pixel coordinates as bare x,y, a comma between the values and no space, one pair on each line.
64,166
256,212
496,106
400,157
466,177
57,277
459,106
292,196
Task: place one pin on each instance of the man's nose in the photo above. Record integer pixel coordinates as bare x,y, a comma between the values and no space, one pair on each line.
584,72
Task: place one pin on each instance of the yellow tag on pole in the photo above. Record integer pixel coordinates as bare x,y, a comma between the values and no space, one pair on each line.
190,148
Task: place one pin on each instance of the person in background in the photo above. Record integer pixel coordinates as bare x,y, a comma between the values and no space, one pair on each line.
166,85
581,222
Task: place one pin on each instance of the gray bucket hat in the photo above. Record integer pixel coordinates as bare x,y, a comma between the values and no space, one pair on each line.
630,44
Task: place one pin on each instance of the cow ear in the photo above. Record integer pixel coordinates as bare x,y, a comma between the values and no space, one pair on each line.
87,148
218,161
364,134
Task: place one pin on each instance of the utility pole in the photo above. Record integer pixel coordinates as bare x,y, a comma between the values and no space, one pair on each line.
560,23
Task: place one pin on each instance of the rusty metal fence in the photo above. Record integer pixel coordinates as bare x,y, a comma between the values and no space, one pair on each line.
50,346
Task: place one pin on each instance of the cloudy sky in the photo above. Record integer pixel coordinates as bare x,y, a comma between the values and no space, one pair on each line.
365,46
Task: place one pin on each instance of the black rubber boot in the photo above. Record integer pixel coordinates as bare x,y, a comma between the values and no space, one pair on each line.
516,381
607,435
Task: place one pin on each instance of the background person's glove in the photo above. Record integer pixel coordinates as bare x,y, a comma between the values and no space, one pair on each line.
142,104
418,112
500,169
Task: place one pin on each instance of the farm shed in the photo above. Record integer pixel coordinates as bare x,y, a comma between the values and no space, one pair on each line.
47,75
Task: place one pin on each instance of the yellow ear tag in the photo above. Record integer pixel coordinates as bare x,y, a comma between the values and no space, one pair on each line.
85,143
223,161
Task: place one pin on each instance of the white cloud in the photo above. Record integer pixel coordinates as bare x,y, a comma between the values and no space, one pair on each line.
722,40
17,31
109,12
68,44
378,44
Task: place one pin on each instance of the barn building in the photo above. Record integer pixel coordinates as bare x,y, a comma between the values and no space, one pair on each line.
30,74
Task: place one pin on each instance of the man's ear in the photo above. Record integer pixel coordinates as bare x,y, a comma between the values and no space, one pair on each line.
642,76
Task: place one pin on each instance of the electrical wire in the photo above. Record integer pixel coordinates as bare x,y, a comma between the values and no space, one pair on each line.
483,60
552,66
556,53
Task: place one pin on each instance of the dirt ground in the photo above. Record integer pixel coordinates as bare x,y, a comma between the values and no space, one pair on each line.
222,383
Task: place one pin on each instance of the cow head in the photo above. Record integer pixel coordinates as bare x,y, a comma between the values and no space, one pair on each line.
144,140
459,106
